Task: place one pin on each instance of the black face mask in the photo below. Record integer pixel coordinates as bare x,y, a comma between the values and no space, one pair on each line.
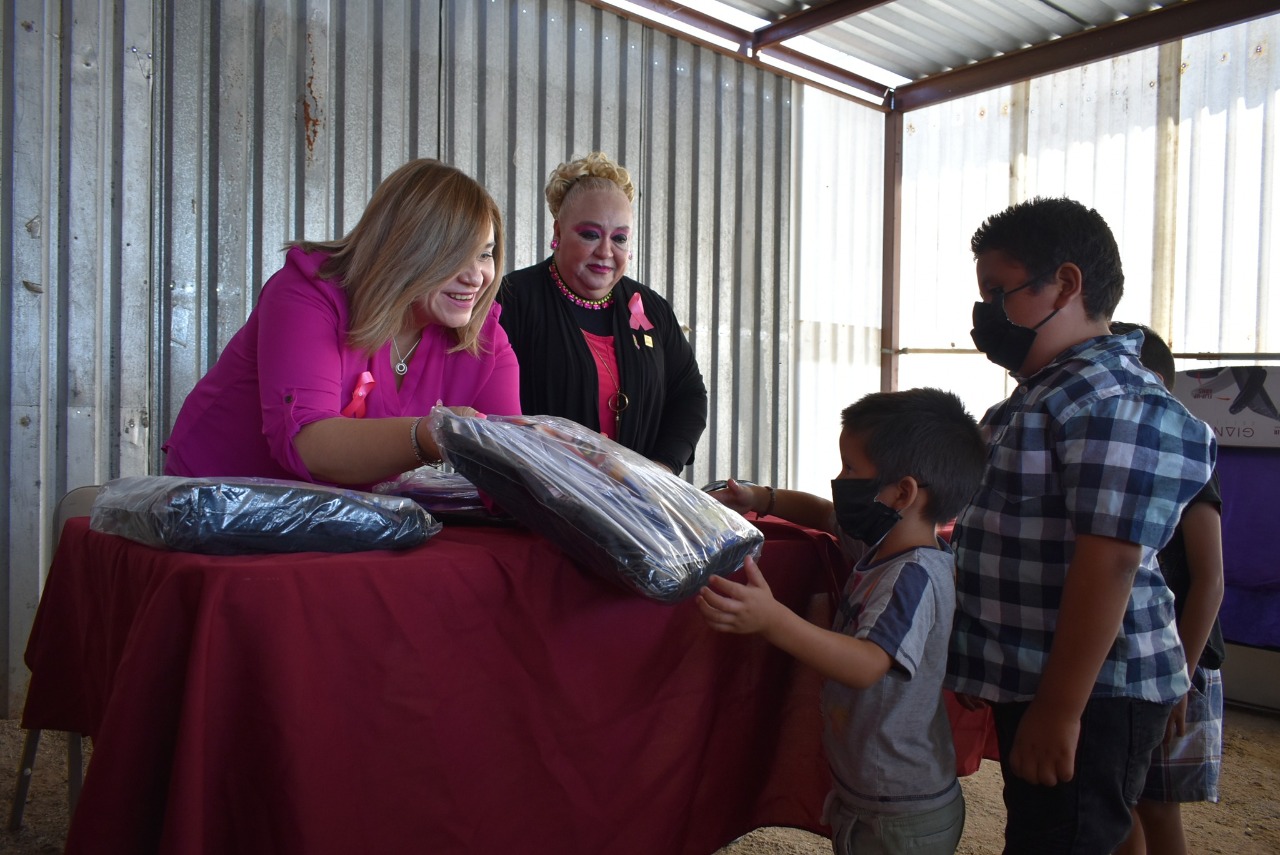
859,514
1004,342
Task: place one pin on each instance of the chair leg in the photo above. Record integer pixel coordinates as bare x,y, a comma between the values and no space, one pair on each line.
23,785
75,770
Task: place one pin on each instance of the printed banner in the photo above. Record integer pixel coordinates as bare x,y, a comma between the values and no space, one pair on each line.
1237,401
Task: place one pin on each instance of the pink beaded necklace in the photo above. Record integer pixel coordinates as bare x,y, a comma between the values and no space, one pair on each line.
603,303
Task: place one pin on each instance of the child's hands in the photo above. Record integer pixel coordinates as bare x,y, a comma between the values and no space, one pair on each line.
970,702
1177,725
1044,748
733,607
735,496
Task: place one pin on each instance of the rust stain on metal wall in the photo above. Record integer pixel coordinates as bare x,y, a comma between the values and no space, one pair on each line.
311,104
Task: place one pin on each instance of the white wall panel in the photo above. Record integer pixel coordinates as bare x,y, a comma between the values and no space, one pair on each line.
1092,138
960,161
1228,187
840,246
1091,134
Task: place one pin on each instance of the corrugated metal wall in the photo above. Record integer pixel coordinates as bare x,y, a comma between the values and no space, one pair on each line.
1177,148
958,167
839,190
75,227
157,155
1227,270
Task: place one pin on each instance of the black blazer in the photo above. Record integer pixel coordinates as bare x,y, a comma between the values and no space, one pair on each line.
658,371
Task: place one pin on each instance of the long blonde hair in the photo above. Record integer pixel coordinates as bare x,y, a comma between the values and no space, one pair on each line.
425,222
593,172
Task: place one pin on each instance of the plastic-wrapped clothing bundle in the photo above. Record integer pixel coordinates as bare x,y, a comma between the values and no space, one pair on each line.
234,516
446,495
616,512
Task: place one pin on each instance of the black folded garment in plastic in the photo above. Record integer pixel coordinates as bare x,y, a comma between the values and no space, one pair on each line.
233,516
611,509
447,496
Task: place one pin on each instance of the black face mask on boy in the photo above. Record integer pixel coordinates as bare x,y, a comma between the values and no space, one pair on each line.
1004,342
859,514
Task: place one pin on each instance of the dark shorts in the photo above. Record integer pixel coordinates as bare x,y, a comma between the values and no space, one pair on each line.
1088,815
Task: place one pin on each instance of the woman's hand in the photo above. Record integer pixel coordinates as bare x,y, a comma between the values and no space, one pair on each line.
427,442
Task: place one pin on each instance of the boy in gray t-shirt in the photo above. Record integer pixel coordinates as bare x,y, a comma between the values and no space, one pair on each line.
909,461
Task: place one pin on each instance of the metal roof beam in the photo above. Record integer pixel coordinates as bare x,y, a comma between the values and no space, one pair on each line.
1158,26
808,20
677,12
834,73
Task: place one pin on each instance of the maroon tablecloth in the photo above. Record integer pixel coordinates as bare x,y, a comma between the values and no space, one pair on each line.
478,694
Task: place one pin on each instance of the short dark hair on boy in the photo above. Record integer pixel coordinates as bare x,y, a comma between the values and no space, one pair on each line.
924,433
1043,234
1155,354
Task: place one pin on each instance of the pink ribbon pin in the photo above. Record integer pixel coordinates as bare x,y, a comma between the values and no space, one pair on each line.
638,320
355,410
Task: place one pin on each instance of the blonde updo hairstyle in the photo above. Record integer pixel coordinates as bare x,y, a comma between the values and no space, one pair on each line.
425,223
596,171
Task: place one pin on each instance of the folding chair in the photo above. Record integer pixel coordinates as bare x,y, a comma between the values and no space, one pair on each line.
76,503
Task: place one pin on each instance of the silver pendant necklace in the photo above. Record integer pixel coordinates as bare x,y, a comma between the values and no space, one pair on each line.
401,365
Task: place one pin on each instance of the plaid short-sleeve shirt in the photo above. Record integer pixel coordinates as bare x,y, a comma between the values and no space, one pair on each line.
1091,444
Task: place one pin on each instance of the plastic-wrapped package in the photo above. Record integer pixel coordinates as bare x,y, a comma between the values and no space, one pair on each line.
233,516
616,512
446,495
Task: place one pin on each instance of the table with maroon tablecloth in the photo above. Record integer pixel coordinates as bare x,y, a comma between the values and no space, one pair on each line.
479,693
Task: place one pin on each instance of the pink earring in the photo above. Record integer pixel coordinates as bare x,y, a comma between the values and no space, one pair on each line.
630,255
555,243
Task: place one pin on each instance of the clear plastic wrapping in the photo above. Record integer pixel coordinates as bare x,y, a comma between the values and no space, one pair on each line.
616,512
446,495
231,516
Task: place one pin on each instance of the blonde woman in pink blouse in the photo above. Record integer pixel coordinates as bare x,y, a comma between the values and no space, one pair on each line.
354,340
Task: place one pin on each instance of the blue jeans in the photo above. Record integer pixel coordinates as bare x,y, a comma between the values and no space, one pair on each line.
1088,815
932,832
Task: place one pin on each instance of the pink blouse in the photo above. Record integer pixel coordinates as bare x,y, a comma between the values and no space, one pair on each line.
607,371
290,365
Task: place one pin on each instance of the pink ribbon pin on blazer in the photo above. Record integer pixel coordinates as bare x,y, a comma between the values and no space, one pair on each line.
355,410
638,320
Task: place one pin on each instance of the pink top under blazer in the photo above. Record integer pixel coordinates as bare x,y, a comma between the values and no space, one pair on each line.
290,365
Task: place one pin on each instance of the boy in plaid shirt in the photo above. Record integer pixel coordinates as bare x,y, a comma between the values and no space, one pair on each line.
1063,623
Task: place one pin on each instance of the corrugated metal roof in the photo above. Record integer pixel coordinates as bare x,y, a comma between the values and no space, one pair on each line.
917,38
908,54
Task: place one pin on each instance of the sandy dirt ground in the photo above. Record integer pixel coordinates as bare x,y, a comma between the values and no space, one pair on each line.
1245,822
